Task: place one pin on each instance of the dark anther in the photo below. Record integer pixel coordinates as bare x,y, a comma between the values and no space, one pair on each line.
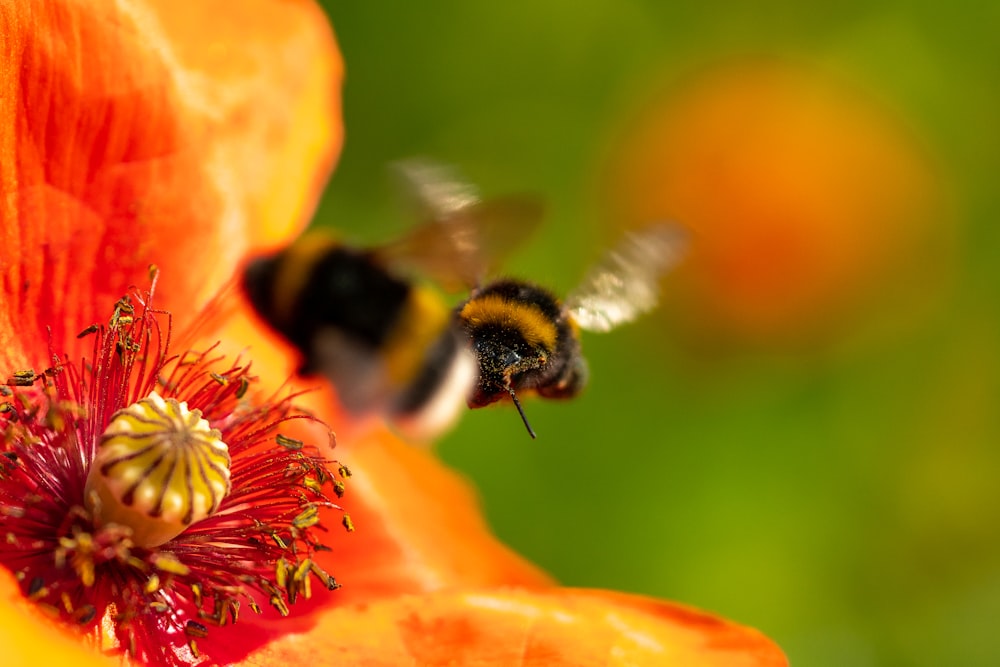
195,629
36,585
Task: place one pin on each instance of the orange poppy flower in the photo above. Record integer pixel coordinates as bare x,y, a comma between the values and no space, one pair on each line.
140,133
810,202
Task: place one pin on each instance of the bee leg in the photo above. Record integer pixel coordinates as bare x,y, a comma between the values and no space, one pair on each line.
570,381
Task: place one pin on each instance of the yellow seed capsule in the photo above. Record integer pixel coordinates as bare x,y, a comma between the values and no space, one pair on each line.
159,468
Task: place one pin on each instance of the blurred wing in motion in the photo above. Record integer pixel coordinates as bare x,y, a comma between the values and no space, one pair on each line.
461,238
625,283
432,190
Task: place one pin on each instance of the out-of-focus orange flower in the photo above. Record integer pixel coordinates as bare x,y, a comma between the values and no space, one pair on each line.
152,133
806,197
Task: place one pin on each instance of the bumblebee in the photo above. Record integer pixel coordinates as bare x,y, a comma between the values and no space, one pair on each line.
362,317
526,340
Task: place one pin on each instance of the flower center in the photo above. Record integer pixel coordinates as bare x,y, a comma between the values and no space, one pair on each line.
159,468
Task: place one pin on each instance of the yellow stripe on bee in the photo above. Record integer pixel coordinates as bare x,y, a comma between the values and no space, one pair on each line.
421,322
295,268
528,319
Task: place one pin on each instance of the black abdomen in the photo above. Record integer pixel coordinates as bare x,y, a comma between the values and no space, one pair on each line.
339,288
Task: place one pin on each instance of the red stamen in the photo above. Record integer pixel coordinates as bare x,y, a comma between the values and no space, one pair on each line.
256,548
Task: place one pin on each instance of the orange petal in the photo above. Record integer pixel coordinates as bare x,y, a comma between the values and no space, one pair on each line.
419,527
136,135
29,639
525,628
272,93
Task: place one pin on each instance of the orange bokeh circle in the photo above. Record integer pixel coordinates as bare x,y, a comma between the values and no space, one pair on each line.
805,196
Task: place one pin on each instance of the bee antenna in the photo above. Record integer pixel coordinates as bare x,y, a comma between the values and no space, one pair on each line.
520,411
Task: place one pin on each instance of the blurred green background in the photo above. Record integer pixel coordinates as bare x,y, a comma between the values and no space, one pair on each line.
837,490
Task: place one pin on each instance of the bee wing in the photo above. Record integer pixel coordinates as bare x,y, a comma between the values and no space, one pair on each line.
432,190
625,283
461,238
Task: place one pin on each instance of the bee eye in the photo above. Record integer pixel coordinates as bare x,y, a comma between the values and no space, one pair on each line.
159,468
